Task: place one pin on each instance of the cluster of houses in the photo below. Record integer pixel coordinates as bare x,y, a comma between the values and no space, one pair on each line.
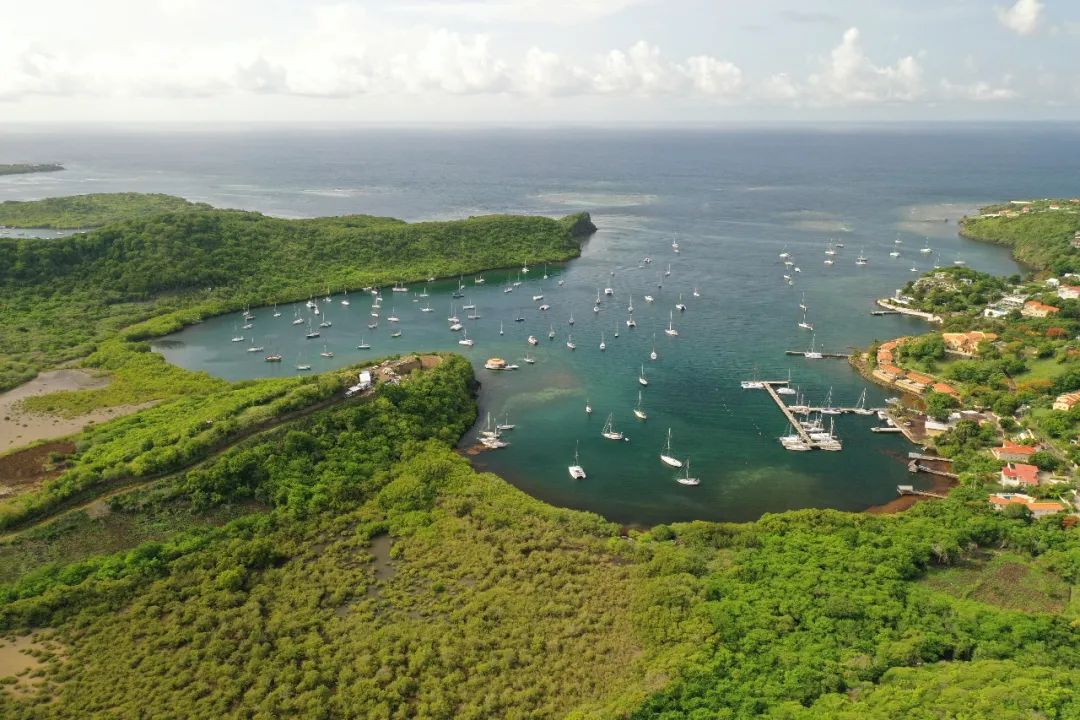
1019,474
888,372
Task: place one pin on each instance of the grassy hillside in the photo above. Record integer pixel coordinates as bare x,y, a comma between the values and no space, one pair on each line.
87,211
60,299
388,580
1039,236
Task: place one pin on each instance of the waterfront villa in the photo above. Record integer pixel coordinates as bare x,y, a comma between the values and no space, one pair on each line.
1016,474
1066,401
1038,508
966,343
1013,452
1036,309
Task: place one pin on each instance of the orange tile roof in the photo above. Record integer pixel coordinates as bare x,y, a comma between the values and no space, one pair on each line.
1026,501
892,370
946,388
920,378
1026,474
1036,305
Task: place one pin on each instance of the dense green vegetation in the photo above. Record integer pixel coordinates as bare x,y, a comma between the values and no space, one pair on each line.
88,211
1038,235
388,580
24,168
63,298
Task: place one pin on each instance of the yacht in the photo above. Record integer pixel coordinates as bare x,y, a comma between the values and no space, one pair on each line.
399,288
311,333
642,380
926,249
686,479
465,340
666,455
326,353
543,307
303,367
344,300
894,253
603,345
363,344
860,407
325,322
373,325
588,407
247,326
570,321
680,306
273,357
454,327
576,471
533,340
501,328
696,293
539,296
570,342
277,313
529,359
653,355
812,354
751,384
237,338
630,323
551,332
639,412
648,298
784,255
610,292
675,245
805,325
828,261
958,261
520,317
609,430
453,315
671,331
829,250
392,317
861,260
479,280
786,389
395,334
827,408
426,309
668,271
423,293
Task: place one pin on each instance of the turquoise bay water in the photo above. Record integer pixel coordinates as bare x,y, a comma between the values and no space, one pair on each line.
734,200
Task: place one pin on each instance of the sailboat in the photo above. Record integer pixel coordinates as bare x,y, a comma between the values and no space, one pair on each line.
277,313
860,407
609,430
861,260
666,455
301,365
479,280
680,306
400,287
894,253
501,328
545,271
686,479
363,344
630,323
829,250
642,380
639,412
474,314
786,389
616,329
675,245
668,271
571,320
505,425
671,331
551,332
325,322
603,345
237,338
653,355
392,317
570,342
576,471
926,249
812,354
465,340
297,320
326,353
805,325
328,297
423,293
345,300
273,357
538,296
520,317
588,407
696,293
529,359
311,333
828,408
784,254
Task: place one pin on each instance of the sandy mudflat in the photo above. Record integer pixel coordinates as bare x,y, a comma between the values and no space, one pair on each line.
18,427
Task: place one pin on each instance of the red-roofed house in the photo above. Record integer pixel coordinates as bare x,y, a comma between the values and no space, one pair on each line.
1011,452
1017,474
1034,308
1038,508
1066,401
1069,292
946,389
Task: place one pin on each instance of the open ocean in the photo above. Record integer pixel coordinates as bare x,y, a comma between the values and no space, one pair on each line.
733,198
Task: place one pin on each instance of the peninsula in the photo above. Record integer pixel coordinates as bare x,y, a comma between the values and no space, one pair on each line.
25,168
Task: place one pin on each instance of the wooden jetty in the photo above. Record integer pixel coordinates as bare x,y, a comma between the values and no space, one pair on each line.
910,490
825,355
915,466
886,429
923,456
879,313
769,387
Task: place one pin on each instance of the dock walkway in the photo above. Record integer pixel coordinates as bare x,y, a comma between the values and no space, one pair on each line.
768,385
910,490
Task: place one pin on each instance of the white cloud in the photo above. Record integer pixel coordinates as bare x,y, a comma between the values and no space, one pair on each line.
710,76
780,87
558,12
978,91
849,76
1023,17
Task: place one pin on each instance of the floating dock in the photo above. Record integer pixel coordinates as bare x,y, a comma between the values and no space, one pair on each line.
770,387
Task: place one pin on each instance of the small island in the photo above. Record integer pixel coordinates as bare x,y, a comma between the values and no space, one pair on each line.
26,168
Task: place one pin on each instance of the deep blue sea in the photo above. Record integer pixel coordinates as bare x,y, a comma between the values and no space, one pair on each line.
733,198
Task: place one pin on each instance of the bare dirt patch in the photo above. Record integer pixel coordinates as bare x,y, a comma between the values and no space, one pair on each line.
20,657
25,470
19,427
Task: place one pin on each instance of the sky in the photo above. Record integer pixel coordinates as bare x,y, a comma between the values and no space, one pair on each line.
538,61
